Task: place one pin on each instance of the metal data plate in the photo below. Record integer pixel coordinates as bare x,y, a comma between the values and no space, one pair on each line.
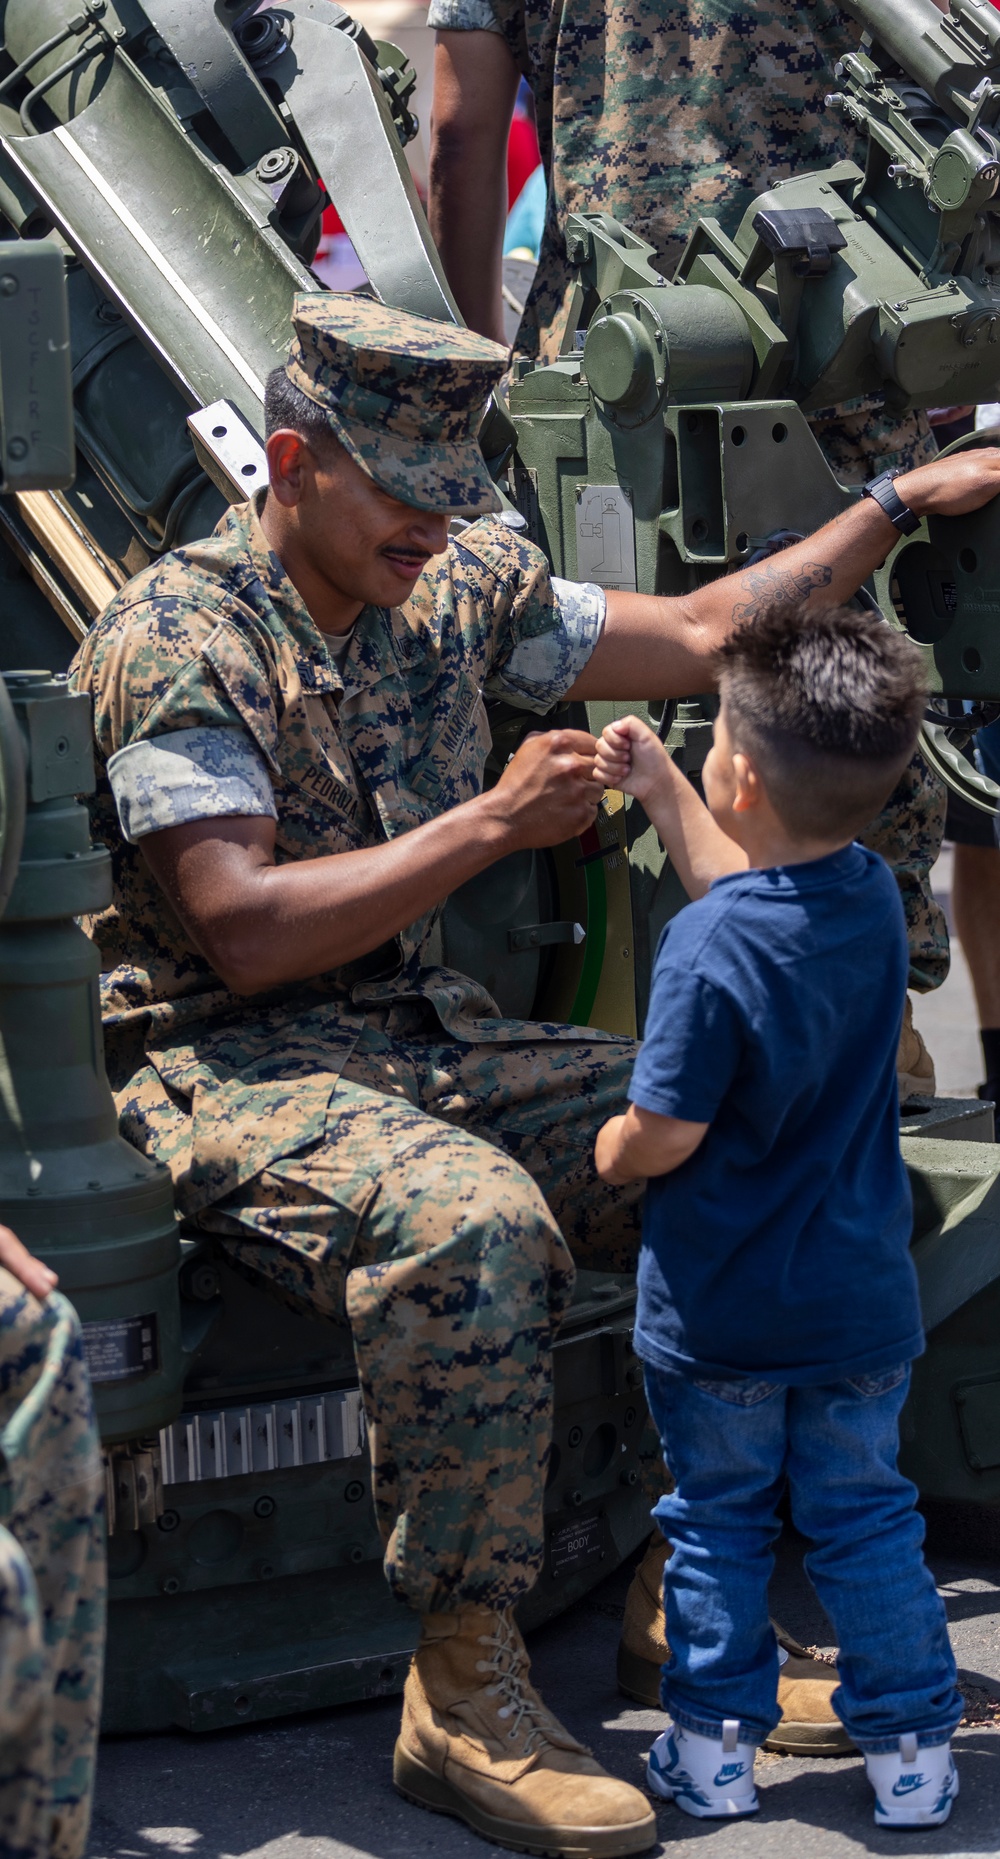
605,536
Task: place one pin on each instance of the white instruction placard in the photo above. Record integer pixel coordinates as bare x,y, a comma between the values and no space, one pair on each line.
605,536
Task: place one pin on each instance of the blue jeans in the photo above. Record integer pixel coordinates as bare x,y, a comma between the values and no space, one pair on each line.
731,1446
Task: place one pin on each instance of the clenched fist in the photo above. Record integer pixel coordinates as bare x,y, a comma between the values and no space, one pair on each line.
547,792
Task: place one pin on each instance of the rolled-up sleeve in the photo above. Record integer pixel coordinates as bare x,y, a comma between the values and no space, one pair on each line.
189,774
544,660
462,16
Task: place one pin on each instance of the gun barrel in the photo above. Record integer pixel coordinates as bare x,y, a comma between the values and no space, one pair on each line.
947,54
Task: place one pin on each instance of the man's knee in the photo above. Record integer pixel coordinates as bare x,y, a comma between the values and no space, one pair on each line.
472,1224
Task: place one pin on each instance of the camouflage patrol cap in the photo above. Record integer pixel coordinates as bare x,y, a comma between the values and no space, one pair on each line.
403,394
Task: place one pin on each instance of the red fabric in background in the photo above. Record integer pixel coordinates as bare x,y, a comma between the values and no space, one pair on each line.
523,154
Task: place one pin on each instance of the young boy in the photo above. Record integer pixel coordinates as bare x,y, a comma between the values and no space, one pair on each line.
778,1308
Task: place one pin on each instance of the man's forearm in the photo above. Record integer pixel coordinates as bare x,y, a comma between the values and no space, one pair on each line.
289,922
262,924
664,646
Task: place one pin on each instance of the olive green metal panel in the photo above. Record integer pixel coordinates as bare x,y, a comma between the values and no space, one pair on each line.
36,409
204,283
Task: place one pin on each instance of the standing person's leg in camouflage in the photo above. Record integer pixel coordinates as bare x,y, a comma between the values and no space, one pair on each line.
860,442
52,1579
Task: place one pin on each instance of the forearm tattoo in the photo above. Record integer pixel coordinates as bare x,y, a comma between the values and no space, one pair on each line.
772,585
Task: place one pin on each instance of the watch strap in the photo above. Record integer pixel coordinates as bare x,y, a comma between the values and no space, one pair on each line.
883,492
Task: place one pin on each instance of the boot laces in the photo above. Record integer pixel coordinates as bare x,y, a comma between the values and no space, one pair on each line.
508,1664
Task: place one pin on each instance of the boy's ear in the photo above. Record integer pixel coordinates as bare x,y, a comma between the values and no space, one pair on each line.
749,792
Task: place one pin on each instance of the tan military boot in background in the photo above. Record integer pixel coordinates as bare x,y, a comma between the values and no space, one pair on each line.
477,1742
809,1725
914,1065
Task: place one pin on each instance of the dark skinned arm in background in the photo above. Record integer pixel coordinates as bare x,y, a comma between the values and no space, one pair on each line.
262,925
475,88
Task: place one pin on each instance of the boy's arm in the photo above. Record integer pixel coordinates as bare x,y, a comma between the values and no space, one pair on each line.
630,757
640,1144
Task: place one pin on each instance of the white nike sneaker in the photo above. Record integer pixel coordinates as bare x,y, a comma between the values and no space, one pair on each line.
707,1778
913,1787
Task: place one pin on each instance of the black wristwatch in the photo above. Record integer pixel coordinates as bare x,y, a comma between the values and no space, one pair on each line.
884,493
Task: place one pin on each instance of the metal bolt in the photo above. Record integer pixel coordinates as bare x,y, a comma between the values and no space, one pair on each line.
264,1507
17,448
9,285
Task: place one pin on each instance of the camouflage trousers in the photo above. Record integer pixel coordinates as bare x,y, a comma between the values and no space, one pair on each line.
908,834
52,1579
419,1218
860,441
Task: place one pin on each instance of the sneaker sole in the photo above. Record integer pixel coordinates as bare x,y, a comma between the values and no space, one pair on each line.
639,1679
420,1785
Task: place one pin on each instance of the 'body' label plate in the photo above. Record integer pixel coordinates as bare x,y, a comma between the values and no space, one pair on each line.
121,1349
574,1545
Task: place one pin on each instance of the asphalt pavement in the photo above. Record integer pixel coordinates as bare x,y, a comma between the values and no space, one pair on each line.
320,1787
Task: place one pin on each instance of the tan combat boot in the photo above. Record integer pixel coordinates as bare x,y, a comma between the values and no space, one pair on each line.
809,1725
914,1065
477,1742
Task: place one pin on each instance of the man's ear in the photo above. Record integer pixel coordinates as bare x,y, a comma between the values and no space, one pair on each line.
288,460
749,792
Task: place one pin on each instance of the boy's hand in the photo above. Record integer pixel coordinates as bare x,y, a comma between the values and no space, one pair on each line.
631,758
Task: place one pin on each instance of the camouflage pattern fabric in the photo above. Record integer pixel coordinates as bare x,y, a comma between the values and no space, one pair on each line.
216,638
417,1215
402,393
658,114
52,1579
370,1143
908,834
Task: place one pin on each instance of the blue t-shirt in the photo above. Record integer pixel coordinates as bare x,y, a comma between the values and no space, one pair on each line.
781,1247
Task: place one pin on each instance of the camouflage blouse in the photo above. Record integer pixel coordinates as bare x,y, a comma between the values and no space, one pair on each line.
215,694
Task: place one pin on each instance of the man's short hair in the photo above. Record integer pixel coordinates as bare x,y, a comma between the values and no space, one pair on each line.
827,706
285,405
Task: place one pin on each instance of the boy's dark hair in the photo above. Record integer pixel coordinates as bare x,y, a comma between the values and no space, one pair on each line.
286,405
828,706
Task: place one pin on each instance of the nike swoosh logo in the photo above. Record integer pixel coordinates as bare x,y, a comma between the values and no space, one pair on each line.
906,1784
729,1772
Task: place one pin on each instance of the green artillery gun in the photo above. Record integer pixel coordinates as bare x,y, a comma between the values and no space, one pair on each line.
175,152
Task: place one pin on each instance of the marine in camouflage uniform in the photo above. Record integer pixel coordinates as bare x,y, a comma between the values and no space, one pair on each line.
659,114
367,1142
52,1579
